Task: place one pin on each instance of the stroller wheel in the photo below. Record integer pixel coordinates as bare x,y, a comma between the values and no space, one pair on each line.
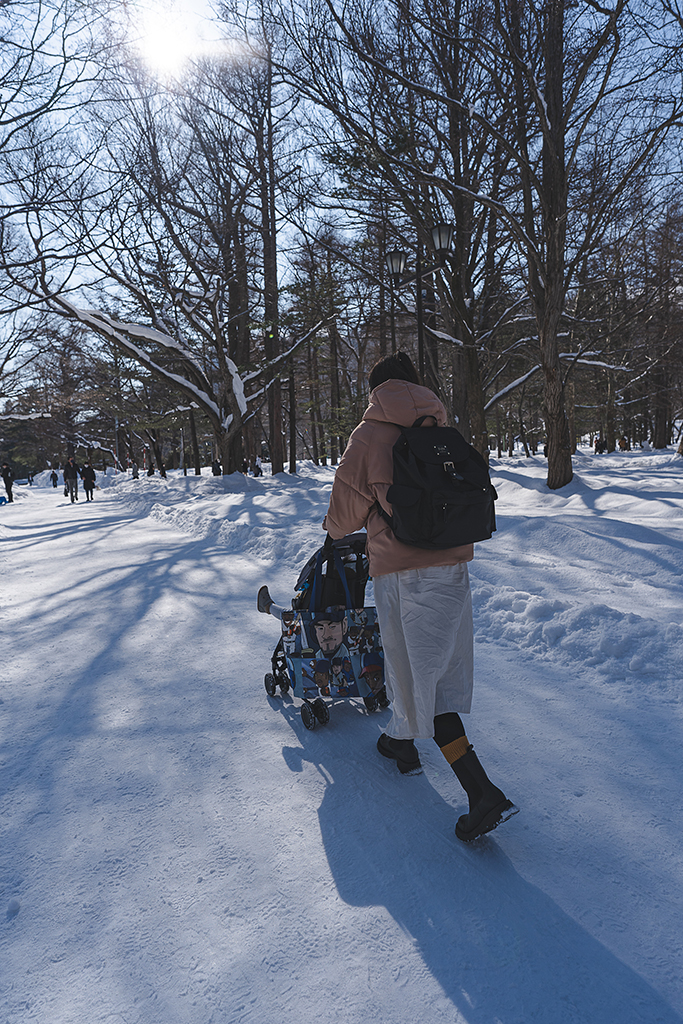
321,711
308,715
270,684
370,702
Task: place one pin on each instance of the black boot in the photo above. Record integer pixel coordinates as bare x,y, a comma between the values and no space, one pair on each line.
264,600
490,809
450,738
403,752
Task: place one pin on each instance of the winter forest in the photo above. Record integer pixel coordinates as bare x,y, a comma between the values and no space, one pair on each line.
203,258
215,217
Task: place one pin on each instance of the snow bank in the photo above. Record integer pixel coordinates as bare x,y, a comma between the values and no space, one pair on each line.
178,849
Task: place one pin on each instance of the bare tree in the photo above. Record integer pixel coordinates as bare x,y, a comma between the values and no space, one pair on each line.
551,82
162,232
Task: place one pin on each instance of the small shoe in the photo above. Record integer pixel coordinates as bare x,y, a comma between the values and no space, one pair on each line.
264,600
484,817
403,752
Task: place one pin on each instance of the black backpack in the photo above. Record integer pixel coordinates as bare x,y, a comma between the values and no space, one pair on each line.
441,495
335,576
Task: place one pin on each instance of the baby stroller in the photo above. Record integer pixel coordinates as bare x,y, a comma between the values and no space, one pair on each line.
330,645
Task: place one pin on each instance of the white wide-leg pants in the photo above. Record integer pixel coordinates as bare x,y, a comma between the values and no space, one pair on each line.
425,618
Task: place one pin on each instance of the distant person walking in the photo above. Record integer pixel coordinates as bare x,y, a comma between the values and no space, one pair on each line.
89,477
54,479
135,471
258,471
8,477
71,473
216,468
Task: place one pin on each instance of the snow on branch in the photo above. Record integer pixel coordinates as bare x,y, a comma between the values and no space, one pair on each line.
444,337
595,362
27,416
511,387
563,355
146,334
122,334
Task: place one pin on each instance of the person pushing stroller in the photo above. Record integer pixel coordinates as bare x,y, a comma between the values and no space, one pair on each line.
422,596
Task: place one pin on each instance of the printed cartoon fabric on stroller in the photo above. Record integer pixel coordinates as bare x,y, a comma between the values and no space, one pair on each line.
330,645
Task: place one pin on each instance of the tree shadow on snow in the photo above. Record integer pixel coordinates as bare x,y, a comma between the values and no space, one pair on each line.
501,949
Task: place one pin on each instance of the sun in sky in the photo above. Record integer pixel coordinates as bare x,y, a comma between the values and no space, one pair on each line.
167,36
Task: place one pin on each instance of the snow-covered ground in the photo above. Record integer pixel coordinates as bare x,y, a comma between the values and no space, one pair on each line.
177,849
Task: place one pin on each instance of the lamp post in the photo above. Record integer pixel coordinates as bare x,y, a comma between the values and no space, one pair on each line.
396,264
442,239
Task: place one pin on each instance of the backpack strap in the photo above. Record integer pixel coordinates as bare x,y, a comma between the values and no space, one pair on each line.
389,520
385,515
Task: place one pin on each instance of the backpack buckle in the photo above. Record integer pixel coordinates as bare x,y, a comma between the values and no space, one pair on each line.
452,472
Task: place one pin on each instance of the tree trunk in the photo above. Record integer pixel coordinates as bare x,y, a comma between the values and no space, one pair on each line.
314,418
522,431
195,445
459,391
571,416
265,148
479,434
382,326
557,432
610,428
230,452
335,441
156,448
660,428
292,418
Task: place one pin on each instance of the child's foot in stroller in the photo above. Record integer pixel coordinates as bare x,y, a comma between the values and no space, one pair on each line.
264,601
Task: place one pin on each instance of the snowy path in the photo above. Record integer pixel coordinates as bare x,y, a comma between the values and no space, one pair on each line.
183,851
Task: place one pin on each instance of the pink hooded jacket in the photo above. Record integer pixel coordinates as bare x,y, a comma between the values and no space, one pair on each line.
365,473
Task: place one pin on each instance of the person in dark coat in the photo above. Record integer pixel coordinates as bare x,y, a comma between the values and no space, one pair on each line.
71,473
216,468
89,477
54,479
8,477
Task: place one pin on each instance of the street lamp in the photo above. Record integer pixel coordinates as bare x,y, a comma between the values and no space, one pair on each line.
442,240
396,264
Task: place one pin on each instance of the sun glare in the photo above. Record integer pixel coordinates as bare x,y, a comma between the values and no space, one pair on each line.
167,38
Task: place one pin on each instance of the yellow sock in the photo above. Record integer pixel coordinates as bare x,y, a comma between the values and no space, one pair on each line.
454,751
